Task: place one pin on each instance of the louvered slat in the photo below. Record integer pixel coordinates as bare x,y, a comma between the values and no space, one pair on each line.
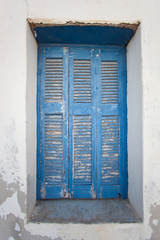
110,150
53,80
82,81
82,150
109,81
53,149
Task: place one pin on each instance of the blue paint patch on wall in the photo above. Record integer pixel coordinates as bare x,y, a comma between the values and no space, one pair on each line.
92,35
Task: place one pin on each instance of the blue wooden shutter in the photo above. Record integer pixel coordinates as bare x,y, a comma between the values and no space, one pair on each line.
82,120
54,122
110,123
82,126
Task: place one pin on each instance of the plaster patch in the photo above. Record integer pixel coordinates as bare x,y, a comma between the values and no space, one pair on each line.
10,166
154,222
21,197
11,206
17,227
152,207
11,238
31,192
8,231
11,194
6,190
7,228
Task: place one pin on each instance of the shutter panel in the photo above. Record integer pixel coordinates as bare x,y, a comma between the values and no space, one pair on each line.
109,81
81,124
54,80
109,123
82,132
110,150
53,149
54,114
82,81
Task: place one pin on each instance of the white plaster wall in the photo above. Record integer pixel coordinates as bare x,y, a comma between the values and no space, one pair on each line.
31,126
13,95
13,121
134,103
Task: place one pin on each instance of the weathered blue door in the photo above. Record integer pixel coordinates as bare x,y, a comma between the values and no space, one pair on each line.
82,122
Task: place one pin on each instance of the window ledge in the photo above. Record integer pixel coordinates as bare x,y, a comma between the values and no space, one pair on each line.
84,211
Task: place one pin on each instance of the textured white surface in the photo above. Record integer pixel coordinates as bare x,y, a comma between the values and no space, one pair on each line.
134,109
13,121
11,206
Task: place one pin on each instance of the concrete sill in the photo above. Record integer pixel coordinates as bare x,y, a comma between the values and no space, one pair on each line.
84,211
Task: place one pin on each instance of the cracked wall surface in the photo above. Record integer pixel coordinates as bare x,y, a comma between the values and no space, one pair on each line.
17,110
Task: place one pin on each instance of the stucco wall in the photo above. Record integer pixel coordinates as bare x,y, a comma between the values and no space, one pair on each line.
31,125
135,128
17,158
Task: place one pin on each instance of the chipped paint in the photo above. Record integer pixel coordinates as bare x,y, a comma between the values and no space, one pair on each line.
93,193
56,22
11,238
17,227
154,222
7,207
10,152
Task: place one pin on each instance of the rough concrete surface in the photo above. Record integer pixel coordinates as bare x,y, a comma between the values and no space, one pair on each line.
84,211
